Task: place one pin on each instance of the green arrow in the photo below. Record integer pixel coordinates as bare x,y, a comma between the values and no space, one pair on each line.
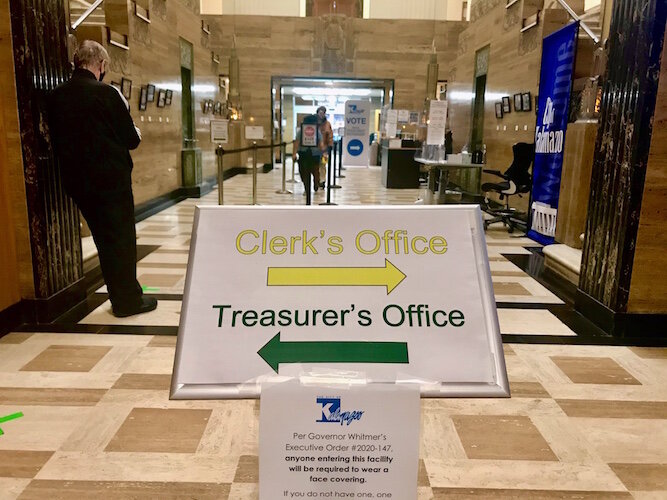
276,352
8,418
149,289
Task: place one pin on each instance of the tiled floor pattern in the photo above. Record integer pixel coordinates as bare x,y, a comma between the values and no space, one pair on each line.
583,422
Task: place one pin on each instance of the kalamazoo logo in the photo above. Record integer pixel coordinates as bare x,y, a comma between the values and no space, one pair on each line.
331,412
549,141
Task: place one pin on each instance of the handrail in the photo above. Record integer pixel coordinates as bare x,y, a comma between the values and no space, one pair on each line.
86,14
576,17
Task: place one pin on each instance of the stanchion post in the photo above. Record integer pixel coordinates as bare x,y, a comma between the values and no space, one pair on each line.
292,181
329,181
220,152
340,163
333,184
284,189
254,173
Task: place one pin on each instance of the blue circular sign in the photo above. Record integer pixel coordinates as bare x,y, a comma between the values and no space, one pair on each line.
355,147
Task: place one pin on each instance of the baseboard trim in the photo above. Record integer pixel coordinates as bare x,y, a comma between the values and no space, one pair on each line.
620,324
37,311
12,317
156,205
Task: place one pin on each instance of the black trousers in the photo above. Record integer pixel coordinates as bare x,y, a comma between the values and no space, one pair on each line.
309,165
110,217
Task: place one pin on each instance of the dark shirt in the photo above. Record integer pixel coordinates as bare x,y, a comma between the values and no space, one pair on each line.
92,133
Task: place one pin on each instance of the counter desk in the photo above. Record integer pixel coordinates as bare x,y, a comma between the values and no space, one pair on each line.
468,190
399,168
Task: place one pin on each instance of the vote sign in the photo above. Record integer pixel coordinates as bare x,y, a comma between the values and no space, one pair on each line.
357,120
392,294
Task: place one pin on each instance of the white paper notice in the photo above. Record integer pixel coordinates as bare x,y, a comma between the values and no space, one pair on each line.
220,131
254,132
338,442
392,122
403,116
436,124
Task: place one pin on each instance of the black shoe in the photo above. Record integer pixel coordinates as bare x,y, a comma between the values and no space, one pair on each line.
147,304
322,185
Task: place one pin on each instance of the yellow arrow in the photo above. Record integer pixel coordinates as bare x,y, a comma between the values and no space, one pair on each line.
389,276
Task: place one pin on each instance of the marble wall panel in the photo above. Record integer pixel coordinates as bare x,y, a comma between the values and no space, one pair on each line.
12,213
621,173
154,58
648,293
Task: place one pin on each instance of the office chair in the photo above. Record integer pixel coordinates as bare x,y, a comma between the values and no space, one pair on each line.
516,181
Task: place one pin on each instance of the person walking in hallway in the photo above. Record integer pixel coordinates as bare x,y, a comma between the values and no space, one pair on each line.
92,133
308,147
326,144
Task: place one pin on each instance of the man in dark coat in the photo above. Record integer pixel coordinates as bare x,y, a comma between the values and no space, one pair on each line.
92,133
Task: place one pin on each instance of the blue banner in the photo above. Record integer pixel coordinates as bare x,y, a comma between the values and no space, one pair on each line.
558,57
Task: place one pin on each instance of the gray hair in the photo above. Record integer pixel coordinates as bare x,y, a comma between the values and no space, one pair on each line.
90,53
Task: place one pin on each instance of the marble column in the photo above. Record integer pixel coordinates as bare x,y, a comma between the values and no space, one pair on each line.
39,35
621,156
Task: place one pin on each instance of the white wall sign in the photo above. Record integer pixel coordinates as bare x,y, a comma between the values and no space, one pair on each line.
437,119
396,294
220,131
403,116
355,142
254,132
338,442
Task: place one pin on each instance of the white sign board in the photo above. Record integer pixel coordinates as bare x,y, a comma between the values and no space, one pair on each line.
398,294
338,442
220,131
392,123
403,116
254,132
437,119
355,142
309,135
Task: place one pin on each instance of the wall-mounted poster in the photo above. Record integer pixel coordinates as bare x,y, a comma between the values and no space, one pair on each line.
167,99
161,98
143,96
414,117
526,101
507,106
499,110
150,97
126,88
518,103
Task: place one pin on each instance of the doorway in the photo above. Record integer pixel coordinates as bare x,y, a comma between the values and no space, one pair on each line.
296,97
481,70
187,110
